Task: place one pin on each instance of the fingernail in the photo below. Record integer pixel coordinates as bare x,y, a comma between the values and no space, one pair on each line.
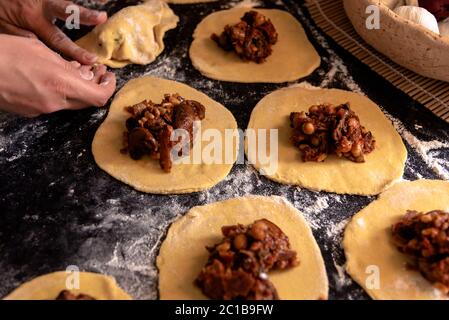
101,14
76,64
105,80
87,75
98,14
90,57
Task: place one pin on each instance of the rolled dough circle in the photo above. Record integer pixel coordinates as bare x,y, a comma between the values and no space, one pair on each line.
183,252
145,174
383,166
293,55
368,246
48,287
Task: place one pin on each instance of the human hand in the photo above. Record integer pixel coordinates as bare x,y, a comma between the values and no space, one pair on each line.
34,18
35,80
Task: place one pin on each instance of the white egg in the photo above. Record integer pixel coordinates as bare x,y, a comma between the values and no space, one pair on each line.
444,27
420,16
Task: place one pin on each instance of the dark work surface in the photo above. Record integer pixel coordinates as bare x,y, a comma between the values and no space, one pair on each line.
57,208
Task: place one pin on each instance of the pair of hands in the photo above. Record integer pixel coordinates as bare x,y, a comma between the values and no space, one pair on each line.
33,78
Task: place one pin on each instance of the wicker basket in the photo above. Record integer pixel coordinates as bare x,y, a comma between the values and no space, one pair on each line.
405,42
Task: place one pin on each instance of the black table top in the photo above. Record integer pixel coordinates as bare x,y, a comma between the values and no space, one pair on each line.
59,209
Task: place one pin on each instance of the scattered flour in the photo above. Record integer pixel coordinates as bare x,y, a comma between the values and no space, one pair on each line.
427,150
14,145
137,253
244,179
246,3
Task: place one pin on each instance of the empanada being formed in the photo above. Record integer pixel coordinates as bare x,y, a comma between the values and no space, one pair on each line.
133,35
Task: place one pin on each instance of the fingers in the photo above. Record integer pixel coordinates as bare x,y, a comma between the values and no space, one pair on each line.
99,71
64,9
89,73
75,86
86,73
75,64
83,93
57,40
10,29
101,92
108,80
92,73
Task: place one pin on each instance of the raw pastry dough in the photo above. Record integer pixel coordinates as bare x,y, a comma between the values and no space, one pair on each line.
145,174
293,55
383,166
133,35
367,241
183,252
49,286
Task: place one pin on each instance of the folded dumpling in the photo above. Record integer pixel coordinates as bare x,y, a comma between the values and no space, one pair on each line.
133,35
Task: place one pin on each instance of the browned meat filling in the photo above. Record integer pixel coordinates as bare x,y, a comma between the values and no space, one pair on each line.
327,129
425,238
238,265
150,126
67,295
252,38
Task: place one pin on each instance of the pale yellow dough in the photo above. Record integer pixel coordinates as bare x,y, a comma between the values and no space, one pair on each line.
183,253
367,241
383,166
145,174
133,35
293,55
49,286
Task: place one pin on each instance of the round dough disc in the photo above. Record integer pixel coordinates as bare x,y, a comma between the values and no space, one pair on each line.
49,286
383,166
145,174
293,55
368,246
183,253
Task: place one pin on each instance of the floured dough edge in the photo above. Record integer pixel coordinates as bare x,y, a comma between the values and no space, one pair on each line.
184,247
48,287
368,247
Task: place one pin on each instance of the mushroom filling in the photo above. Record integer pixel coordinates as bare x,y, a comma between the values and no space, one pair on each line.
251,39
67,295
150,127
425,238
327,129
237,267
